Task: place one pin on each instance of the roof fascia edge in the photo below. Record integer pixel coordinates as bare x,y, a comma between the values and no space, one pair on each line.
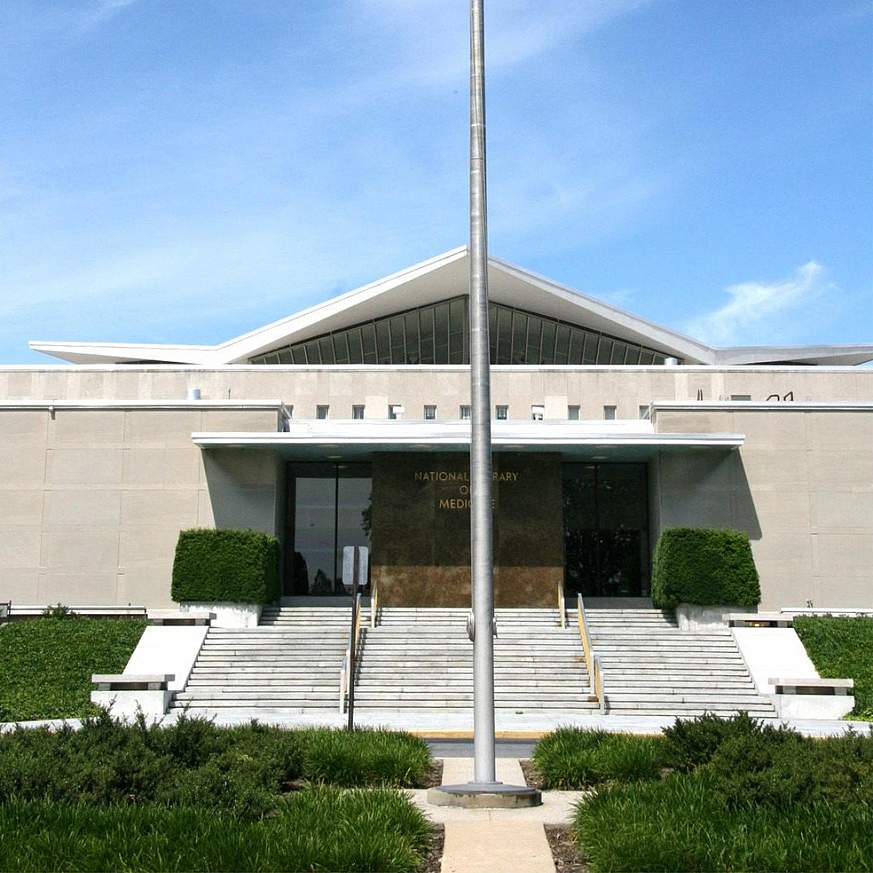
686,345
240,348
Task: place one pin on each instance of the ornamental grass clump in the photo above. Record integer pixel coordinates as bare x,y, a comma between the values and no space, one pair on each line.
317,829
571,758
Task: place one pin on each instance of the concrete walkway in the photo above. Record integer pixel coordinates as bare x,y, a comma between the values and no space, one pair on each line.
459,723
497,840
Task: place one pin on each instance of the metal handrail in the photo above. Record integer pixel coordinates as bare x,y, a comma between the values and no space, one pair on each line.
374,603
562,605
592,661
348,665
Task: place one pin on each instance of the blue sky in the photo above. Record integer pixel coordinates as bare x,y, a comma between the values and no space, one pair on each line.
186,170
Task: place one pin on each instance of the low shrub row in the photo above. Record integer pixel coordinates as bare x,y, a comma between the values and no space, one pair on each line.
244,770
316,829
842,647
46,664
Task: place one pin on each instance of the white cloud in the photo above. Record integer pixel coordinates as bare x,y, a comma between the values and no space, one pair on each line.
761,311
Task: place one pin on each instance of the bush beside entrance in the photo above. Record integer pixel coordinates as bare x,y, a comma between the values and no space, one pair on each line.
226,566
703,566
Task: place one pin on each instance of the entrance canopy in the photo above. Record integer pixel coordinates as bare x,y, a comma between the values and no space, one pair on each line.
347,439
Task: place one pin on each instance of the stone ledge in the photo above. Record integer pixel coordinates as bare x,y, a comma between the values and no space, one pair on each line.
813,685
169,617
759,619
131,681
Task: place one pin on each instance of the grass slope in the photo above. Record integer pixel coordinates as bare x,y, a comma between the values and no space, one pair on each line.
842,648
317,829
46,664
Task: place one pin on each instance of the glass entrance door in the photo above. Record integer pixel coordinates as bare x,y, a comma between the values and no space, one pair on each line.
328,508
606,530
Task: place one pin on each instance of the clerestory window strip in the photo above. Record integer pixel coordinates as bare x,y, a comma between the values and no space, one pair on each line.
437,334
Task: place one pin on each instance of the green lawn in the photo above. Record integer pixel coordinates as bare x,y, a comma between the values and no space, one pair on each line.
842,648
46,663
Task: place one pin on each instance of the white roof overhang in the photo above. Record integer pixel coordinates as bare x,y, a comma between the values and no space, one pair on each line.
634,440
439,278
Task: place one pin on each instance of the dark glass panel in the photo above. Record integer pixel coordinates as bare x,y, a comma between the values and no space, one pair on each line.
619,352
341,347
426,324
519,338
592,340
398,342
577,342
383,342
285,356
313,355
504,335
659,359
356,352
492,332
314,540
413,354
353,510
441,333
646,356
633,355
547,353
298,354
368,340
457,329
604,350
326,347
562,347
534,336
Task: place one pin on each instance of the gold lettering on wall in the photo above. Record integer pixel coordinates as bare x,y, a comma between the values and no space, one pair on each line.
462,480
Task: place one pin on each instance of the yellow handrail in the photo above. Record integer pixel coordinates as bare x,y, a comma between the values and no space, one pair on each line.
592,662
374,603
562,605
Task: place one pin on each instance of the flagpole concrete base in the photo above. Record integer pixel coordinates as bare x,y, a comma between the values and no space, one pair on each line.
485,795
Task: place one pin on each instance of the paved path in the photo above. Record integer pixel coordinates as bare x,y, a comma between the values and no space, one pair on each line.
497,840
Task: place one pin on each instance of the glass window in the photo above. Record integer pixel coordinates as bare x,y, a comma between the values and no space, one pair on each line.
321,411
562,346
465,412
502,413
430,413
395,411
426,335
437,334
519,338
547,347
441,333
644,411
604,350
357,412
573,412
368,341
609,413
537,413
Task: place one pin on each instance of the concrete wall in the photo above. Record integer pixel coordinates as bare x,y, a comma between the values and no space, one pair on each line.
802,486
592,388
92,501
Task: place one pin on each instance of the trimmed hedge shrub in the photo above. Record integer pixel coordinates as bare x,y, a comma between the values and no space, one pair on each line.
237,566
704,566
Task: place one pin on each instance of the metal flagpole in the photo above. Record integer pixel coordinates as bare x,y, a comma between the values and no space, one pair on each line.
484,790
482,564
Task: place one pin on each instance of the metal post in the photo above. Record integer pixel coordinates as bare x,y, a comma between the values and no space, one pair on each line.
482,567
352,639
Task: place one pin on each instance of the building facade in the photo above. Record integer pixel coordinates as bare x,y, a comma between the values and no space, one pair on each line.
347,424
